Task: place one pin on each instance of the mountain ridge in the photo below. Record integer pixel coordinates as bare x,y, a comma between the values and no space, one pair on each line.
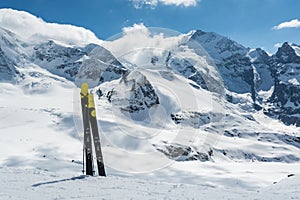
206,82
242,69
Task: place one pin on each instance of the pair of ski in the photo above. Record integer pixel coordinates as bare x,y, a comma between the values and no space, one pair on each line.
90,130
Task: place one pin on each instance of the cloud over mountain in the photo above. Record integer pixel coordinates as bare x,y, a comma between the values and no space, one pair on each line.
137,37
34,28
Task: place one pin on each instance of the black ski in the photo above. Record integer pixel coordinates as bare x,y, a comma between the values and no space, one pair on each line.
95,133
87,144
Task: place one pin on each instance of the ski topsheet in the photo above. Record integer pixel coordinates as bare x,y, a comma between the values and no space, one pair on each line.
90,129
87,140
95,133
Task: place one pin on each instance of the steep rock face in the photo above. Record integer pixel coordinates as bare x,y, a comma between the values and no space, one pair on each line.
100,53
110,67
217,46
252,71
95,71
187,69
286,104
287,54
60,60
183,61
10,54
93,63
134,94
7,70
230,57
285,99
262,63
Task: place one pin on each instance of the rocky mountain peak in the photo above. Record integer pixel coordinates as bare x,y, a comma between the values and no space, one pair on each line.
218,47
134,94
259,55
286,54
204,36
93,64
230,58
242,70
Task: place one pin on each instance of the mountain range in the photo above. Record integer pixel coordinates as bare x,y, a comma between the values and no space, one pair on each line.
242,70
195,97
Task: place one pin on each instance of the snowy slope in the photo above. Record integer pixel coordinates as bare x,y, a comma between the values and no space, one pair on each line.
166,116
229,56
37,184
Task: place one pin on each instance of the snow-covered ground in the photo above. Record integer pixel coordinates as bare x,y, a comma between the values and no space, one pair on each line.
41,155
210,149
31,184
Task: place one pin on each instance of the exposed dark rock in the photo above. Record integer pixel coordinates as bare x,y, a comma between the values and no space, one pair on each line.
194,119
185,68
7,69
93,63
286,54
134,93
180,152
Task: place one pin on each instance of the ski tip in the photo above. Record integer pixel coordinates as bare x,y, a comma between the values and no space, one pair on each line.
84,88
91,103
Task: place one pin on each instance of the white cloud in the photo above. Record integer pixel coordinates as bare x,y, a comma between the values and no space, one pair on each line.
33,28
153,3
185,3
277,45
295,23
138,42
138,4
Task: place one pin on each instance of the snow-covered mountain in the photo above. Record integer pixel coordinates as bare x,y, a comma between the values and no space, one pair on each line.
253,71
285,98
174,107
230,58
93,63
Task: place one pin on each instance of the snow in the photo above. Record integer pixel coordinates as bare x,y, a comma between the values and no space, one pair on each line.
41,126
138,37
291,75
294,81
296,48
266,94
265,81
218,46
41,132
40,184
19,21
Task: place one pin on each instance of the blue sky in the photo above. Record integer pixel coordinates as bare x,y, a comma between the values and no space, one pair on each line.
249,22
